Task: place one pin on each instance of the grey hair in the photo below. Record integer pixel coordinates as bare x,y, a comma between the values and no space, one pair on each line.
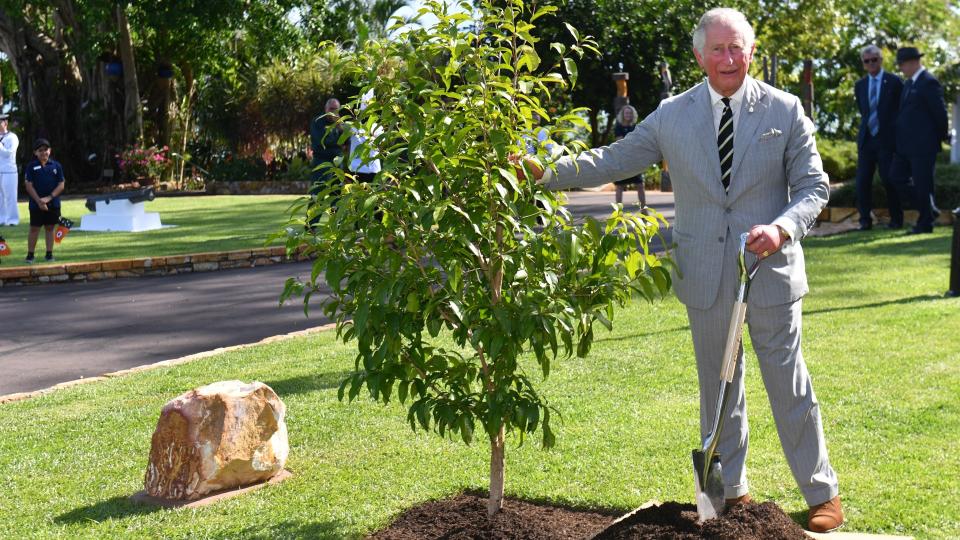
871,49
620,114
330,102
729,16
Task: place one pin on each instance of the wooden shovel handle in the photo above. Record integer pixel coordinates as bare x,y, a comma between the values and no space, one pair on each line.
734,333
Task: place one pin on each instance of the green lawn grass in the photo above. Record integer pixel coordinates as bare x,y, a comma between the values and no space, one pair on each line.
881,343
200,224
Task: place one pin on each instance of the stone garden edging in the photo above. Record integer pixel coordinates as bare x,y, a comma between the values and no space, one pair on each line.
838,214
258,187
146,266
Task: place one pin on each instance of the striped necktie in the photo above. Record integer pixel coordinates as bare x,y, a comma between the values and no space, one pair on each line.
725,143
873,123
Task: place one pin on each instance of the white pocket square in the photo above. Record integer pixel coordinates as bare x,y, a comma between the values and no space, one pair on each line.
771,133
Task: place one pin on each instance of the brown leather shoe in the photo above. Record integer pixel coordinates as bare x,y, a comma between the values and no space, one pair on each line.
825,517
743,499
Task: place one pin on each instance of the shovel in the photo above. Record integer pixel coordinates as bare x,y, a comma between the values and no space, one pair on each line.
706,462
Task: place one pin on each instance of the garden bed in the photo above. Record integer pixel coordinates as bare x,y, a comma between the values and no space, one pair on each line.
464,517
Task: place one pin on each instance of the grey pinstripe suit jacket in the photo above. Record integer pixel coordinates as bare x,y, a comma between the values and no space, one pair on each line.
777,178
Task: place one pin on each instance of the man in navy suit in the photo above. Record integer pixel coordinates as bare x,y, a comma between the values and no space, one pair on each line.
921,128
878,98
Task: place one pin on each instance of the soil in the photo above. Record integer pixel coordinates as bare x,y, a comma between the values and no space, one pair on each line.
675,521
464,517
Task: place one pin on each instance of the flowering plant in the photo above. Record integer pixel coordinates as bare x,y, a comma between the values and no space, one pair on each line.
144,162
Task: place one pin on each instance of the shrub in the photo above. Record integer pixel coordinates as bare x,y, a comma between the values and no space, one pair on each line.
293,170
946,190
232,168
139,162
839,159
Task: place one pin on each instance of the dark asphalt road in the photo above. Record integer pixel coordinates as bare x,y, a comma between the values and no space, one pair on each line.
61,332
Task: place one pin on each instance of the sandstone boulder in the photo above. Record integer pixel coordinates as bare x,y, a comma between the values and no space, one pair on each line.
223,435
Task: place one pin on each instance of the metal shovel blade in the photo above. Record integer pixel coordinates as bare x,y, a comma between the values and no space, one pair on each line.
709,485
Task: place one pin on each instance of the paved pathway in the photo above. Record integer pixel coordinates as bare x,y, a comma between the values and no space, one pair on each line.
60,332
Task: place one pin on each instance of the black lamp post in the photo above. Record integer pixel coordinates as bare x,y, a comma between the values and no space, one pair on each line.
955,256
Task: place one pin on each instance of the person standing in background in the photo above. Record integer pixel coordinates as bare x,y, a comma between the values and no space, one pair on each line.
878,98
921,128
625,123
43,181
8,174
325,140
364,165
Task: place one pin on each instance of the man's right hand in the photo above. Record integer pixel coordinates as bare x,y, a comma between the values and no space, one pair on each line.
535,170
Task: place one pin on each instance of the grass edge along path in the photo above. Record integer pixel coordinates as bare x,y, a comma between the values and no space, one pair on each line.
201,224
880,342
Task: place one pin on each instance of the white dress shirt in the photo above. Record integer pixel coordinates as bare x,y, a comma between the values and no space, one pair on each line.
736,100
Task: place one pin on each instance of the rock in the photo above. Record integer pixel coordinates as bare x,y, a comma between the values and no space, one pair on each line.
220,436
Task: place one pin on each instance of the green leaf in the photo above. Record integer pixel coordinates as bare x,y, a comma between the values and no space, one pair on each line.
583,347
454,277
575,250
661,277
571,67
633,262
433,326
510,177
413,303
456,310
465,423
551,279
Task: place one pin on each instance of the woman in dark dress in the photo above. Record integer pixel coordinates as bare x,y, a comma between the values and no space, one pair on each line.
626,122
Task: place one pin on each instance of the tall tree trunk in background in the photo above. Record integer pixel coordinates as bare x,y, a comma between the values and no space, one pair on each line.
186,108
50,82
133,116
62,94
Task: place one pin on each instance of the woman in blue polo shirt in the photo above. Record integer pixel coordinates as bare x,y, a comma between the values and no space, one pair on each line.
44,183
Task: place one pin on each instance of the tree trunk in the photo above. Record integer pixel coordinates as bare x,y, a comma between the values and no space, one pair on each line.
185,110
54,89
497,474
133,117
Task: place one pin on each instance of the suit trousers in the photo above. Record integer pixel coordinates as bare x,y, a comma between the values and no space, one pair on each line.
775,334
9,215
920,191
871,157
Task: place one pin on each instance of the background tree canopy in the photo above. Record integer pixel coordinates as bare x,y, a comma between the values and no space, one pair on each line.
209,77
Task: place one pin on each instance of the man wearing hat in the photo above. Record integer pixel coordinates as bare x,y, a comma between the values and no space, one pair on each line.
921,128
43,181
8,174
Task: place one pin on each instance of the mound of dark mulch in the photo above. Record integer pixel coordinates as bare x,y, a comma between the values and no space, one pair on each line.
675,521
464,517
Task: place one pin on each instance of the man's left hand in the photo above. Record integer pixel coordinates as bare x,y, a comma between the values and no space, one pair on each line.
765,240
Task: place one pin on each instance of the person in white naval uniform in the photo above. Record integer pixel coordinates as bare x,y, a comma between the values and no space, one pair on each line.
8,173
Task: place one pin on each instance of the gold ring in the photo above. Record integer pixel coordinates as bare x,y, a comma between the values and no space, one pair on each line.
766,253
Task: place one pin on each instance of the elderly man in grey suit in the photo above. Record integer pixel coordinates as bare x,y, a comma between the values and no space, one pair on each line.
742,159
